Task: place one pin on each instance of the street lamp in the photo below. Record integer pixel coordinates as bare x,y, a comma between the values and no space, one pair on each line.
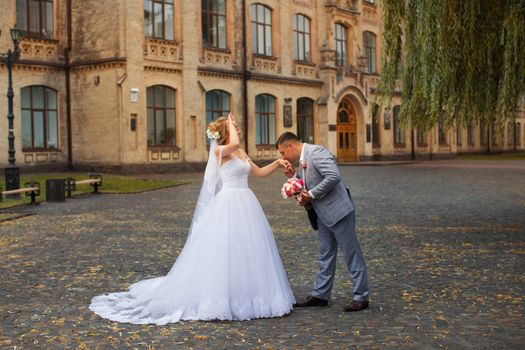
12,172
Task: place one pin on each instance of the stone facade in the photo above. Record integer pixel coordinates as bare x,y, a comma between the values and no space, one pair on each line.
111,63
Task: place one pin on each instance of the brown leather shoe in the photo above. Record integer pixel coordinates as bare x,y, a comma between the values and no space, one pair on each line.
312,301
357,305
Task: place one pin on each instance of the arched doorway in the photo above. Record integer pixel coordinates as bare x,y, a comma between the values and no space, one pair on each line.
346,132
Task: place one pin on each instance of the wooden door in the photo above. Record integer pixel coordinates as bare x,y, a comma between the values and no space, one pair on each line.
346,131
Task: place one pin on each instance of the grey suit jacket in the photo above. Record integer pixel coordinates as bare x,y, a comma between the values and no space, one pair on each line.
332,201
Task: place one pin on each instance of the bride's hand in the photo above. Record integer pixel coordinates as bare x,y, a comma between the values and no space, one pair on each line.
284,163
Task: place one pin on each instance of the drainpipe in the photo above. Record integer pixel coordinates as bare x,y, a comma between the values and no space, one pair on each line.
244,77
67,51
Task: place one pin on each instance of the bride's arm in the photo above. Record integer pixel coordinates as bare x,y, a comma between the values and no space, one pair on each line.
268,169
233,143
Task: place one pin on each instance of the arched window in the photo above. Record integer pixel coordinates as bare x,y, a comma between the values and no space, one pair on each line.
459,136
39,118
305,119
214,23
261,17
369,42
158,19
35,17
341,44
399,133
217,105
265,119
301,38
442,132
161,115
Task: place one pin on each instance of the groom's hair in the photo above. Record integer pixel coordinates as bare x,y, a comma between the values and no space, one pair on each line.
287,137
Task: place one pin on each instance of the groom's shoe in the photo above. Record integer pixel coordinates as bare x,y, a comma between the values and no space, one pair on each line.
312,301
357,305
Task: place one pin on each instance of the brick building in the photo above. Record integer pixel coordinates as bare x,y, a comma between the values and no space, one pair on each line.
134,82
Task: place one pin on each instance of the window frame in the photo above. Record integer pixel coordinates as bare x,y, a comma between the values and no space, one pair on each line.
42,19
303,118
164,109
341,58
376,126
164,4
370,51
208,32
267,116
255,26
302,36
45,115
399,132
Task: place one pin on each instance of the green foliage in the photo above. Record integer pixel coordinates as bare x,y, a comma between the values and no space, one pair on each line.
463,59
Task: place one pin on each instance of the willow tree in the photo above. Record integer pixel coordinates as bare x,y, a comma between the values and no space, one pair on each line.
463,60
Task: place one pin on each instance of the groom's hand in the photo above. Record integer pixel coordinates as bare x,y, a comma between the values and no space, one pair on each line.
303,198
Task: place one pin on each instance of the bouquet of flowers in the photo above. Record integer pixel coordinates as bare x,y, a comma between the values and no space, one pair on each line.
291,187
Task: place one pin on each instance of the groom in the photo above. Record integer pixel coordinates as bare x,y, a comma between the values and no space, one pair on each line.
329,196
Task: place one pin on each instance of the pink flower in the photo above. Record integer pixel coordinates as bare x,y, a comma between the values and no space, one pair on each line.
291,187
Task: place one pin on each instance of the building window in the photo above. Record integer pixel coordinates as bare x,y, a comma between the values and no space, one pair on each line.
376,142
482,133
214,23
399,132
341,56
265,119
301,38
35,17
261,17
470,135
217,105
459,136
305,119
510,134
518,134
158,19
421,139
369,40
442,131
39,118
161,115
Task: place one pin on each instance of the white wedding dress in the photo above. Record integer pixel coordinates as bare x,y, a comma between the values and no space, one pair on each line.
229,268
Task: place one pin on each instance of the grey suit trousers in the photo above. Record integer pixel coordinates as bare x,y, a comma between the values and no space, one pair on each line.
343,235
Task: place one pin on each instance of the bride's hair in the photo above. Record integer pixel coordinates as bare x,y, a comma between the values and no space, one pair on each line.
221,126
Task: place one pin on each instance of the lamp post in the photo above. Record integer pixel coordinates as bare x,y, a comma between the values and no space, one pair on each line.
12,172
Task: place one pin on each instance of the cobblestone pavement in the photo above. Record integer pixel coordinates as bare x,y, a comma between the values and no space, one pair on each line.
444,246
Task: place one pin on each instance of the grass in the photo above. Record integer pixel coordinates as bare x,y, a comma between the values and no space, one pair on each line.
110,184
496,156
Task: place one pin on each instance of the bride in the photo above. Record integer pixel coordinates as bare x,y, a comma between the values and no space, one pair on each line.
229,268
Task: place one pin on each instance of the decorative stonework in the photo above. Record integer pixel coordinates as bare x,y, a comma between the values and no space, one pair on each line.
41,157
39,49
162,50
304,3
162,69
348,5
305,70
217,57
370,12
93,66
327,57
163,156
267,65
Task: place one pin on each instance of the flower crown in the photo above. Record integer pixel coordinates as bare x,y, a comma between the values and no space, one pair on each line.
213,135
